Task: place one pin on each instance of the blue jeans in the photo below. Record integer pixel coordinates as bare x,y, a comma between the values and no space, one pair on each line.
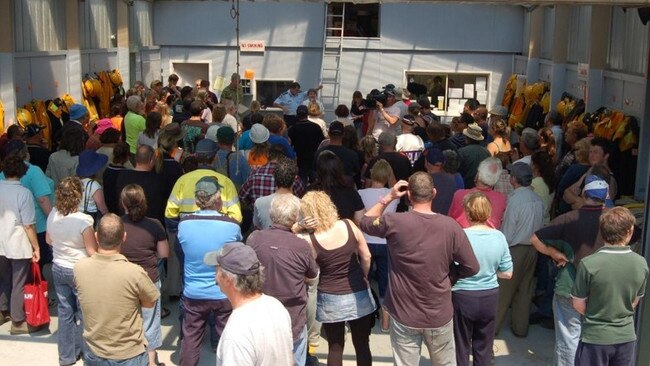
69,341
151,322
567,330
380,259
90,359
300,349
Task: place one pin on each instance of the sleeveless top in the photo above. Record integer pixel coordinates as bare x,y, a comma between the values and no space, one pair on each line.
504,156
340,270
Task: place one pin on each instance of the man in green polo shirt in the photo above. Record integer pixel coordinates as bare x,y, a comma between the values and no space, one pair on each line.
608,287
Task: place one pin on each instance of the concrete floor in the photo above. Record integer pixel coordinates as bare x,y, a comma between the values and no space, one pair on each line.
40,348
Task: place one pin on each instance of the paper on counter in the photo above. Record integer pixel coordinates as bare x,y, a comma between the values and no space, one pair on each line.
481,83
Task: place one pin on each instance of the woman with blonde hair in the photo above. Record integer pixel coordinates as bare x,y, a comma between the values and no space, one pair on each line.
315,114
163,109
71,235
343,296
475,298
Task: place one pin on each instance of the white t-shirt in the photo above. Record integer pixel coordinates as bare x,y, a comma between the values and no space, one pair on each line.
370,197
382,125
87,203
409,142
66,233
258,333
17,207
231,121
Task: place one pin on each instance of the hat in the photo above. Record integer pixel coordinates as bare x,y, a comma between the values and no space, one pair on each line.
170,135
302,111
336,129
434,156
236,258
90,162
408,119
499,110
596,187
103,125
226,135
259,134
522,172
206,147
474,132
211,133
206,186
14,146
33,130
78,111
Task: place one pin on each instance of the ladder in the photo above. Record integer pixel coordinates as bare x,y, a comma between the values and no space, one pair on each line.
330,66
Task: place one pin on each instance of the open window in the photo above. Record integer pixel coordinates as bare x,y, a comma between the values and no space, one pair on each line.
268,90
359,20
449,91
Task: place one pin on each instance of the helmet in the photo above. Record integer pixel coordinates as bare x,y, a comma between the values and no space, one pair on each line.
24,117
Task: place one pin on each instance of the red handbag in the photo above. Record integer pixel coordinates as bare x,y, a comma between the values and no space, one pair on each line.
36,306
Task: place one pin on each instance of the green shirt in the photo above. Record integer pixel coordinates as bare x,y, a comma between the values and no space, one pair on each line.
610,280
565,275
134,124
237,96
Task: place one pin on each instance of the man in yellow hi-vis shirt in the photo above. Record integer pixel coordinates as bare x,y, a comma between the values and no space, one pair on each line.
181,202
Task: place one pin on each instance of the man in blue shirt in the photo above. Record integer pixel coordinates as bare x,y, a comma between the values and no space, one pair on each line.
206,230
289,102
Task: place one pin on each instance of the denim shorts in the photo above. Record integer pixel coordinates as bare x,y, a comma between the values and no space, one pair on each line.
151,323
332,308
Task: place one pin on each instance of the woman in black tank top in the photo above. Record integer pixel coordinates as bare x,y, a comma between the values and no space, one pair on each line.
343,293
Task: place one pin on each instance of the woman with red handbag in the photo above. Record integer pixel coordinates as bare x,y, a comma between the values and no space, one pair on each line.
18,243
71,235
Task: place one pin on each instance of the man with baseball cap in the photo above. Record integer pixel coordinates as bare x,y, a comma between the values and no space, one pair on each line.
259,329
199,233
567,240
524,215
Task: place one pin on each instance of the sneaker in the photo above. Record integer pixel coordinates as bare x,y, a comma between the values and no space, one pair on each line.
23,328
4,317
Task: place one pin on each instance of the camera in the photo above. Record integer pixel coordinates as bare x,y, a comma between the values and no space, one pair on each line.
374,97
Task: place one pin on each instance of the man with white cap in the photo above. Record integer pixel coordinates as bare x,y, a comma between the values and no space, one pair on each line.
201,297
567,240
258,332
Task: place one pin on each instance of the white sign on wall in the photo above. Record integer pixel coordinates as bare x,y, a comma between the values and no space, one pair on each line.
583,71
252,46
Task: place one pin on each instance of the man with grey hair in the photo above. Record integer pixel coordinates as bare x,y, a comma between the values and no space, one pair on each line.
528,144
230,119
289,266
233,91
259,331
201,296
423,269
487,175
523,217
134,122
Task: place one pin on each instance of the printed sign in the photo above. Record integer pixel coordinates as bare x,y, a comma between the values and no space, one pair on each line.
252,46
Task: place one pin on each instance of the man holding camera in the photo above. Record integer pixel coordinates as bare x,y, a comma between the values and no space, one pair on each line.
386,115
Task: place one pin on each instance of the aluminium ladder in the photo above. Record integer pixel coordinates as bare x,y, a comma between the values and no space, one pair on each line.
330,75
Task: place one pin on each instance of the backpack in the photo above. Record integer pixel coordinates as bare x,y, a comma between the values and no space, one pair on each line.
222,168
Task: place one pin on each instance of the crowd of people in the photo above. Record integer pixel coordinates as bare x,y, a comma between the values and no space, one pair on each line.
268,229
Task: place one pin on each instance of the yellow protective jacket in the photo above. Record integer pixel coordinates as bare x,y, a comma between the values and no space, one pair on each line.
181,200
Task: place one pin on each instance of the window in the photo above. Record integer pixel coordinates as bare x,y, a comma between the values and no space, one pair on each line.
39,25
627,42
268,90
359,20
579,28
546,51
98,24
449,91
